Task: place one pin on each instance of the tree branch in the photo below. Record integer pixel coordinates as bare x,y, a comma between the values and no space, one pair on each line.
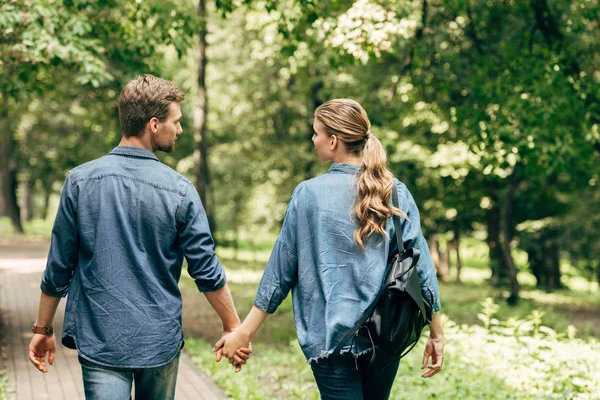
409,58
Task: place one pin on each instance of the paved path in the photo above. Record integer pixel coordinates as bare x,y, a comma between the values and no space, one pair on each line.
21,264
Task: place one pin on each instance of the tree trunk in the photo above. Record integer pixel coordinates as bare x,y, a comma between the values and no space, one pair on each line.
457,250
544,261
499,276
444,271
8,173
28,195
506,230
236,242
534,258
551,261
434,250
46,205
200,137
314,101
237,212
440,259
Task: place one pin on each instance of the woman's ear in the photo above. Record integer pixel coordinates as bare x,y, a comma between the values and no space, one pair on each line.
333,141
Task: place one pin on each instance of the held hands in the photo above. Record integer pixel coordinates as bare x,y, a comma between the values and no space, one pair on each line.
434,349
236,347
38,348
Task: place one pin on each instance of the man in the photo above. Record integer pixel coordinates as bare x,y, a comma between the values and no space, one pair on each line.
124,224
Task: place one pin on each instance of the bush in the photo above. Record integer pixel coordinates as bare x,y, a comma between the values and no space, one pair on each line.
514,359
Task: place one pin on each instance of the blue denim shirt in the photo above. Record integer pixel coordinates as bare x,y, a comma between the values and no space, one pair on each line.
332,281
124,224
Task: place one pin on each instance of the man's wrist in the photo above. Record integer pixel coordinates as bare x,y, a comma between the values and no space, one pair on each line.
47,330
231,327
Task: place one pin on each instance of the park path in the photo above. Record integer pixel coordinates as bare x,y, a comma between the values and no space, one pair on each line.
21,265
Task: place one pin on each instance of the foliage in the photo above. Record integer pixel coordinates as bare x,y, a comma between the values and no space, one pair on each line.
461,108
513,359
2,384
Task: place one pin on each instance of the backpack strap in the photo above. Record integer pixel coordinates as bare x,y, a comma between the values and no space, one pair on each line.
369,311
396,219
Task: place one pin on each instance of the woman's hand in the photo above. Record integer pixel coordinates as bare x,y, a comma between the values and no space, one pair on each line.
434,349
236,347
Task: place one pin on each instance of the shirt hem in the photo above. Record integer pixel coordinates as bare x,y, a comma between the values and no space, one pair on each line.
132,366
326,354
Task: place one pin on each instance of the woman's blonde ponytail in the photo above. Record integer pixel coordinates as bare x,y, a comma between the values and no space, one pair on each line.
347,120
372,207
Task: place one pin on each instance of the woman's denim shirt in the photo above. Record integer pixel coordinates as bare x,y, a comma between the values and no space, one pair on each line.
332,280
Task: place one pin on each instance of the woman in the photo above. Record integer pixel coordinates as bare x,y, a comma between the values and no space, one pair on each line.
332,252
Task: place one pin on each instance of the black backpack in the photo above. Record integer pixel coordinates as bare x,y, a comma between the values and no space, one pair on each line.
396,319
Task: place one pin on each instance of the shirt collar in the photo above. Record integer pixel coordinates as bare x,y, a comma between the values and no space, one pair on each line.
130,151
344,168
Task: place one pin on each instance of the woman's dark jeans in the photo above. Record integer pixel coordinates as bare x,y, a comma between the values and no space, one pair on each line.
343,377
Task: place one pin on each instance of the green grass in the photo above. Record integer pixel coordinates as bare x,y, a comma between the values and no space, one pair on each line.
460,301
274,372
278,369
282,373
477,363
37,228
2,384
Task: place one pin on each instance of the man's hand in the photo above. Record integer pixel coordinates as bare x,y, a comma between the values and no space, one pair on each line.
434,349
38,348
236,347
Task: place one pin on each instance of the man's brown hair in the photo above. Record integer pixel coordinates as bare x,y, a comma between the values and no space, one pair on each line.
143,98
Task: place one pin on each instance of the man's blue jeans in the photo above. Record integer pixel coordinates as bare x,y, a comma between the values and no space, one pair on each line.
108,383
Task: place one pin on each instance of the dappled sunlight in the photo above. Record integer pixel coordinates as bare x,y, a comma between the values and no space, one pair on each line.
538,365
486,110
244,276
560,299
227,253
474,275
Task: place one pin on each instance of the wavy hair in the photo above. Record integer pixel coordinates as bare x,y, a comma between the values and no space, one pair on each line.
348,121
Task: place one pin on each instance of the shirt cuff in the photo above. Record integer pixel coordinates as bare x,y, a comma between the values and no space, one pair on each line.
264,298
53,291
203,287
431,298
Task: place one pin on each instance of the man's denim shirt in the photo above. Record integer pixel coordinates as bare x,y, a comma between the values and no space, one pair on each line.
332,281
124,224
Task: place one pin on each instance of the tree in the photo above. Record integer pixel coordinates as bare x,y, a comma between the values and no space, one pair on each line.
96,42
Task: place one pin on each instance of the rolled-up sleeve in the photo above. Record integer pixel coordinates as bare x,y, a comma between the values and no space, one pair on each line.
281,272
197,243
64,244
412,236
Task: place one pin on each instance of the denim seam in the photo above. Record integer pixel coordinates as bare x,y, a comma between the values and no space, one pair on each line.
134,155
73,187
178,210
154,185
